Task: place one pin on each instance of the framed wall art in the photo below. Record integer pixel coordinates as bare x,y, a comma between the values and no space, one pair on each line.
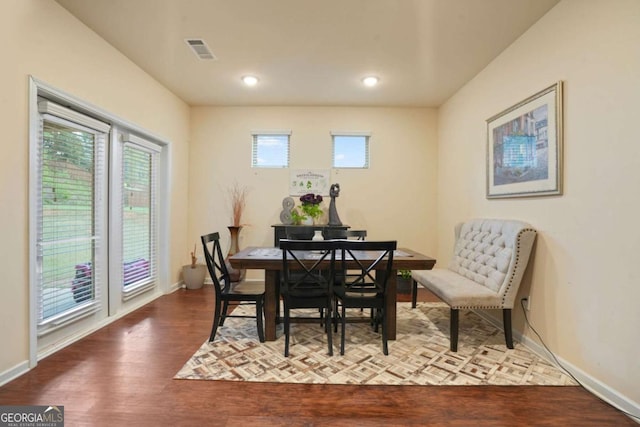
309,181
524,147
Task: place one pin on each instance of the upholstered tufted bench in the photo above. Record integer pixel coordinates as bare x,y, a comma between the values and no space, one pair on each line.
489,260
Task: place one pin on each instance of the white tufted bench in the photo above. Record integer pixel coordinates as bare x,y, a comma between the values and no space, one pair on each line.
489,260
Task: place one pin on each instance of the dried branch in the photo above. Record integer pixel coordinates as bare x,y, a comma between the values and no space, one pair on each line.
238,195
194,258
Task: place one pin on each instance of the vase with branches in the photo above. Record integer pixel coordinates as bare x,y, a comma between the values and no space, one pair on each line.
238,197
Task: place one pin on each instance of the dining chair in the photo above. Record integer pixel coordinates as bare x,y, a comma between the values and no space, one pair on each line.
307,233
307,282
299,233
341,233
357,234
366,289
226,291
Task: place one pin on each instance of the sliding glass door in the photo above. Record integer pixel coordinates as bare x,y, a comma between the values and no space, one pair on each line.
96,220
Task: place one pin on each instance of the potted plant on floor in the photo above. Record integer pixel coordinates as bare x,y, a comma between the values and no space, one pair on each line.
403,282
193,275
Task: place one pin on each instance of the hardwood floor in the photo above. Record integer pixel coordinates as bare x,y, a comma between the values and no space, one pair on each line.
122,375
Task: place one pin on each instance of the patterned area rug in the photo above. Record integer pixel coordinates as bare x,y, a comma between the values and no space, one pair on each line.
419,356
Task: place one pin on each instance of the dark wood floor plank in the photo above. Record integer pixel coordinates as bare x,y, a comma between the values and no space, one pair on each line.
123,375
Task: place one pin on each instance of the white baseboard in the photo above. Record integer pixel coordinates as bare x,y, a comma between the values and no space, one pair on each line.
591,384
13,373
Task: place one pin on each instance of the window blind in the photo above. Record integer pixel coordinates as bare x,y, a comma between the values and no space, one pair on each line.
71,161
270,149
138,215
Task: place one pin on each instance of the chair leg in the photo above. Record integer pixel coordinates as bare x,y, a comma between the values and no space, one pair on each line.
374,320
216,321
224,312
343,327
328,328
454,329
414,294
278,304
385,346
335,316
506,322
286,330
259,315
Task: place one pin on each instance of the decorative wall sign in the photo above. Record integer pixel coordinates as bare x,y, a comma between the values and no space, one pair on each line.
309,181
524,147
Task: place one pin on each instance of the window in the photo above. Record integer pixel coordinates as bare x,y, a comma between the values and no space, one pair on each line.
138,215
70,223
270,149
350,150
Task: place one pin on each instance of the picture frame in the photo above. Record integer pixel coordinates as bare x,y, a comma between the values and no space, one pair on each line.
524,147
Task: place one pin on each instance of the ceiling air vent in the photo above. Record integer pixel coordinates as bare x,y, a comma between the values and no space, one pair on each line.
200,48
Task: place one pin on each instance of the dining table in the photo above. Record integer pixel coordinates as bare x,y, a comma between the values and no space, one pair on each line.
269,259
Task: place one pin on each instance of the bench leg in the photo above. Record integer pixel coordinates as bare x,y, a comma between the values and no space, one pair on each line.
506,321
414,294
454,329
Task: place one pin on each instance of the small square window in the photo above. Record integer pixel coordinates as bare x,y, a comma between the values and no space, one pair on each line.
350,151
270,151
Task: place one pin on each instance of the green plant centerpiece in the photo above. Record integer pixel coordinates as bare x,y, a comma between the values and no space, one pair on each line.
297,217
309,208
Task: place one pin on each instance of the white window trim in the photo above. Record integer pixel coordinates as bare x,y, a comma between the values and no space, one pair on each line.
77,121
366,134
350,133
257,133
45,106
143,145
271,132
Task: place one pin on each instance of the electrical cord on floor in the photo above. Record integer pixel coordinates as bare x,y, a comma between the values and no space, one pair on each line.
526,318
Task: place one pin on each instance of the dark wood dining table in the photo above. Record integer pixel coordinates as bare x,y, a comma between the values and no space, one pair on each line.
269,259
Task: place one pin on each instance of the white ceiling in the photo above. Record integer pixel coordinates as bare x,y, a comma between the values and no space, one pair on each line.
312,52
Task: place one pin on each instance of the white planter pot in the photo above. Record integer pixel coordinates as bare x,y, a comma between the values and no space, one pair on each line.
193,278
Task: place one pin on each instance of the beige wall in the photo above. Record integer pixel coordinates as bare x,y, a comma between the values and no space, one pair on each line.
393,199
39,38
584,281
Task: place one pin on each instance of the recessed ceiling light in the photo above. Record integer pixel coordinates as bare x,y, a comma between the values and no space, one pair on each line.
370,81
250,80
